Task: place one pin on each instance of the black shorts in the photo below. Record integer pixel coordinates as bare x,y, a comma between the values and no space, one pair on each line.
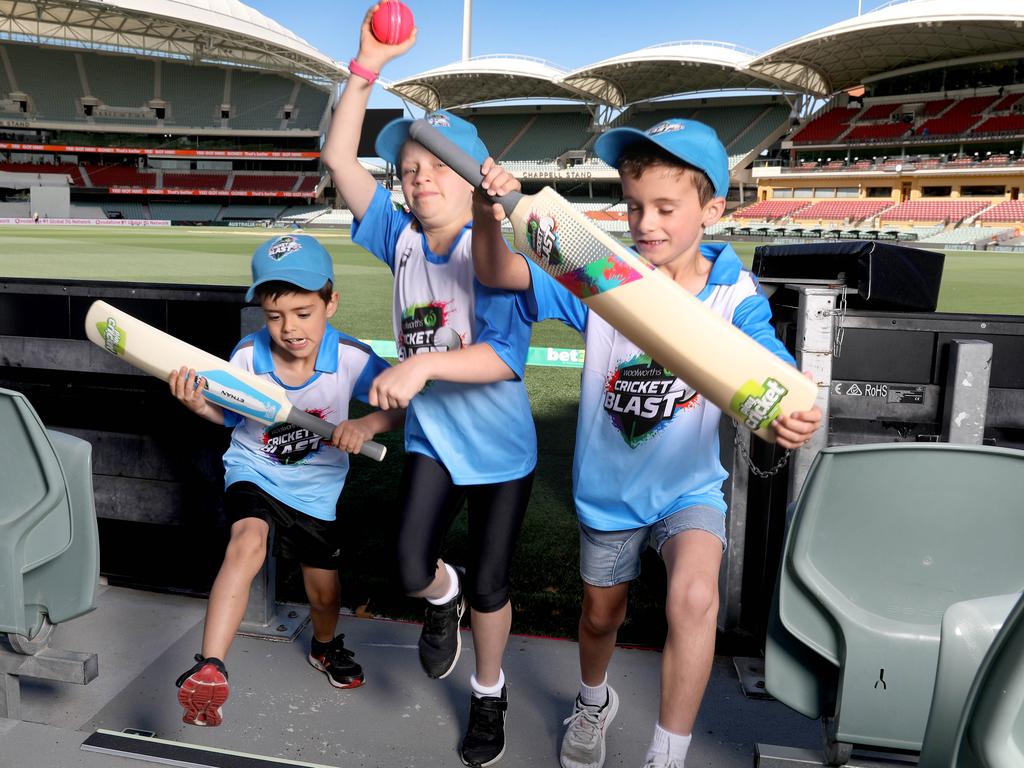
297,536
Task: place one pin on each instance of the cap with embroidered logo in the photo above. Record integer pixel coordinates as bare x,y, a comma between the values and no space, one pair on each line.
296,259
692,142
462,132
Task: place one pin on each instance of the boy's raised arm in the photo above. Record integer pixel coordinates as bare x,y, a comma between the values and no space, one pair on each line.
340,153
496,265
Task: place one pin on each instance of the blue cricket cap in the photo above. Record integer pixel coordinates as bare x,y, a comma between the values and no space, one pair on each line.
692,142
462,132
296,259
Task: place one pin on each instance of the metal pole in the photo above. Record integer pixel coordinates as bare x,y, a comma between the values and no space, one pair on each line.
467,29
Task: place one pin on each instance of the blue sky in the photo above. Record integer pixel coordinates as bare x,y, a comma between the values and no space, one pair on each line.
568,33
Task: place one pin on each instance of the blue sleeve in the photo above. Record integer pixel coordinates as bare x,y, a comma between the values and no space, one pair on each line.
232,419
753,317
546,299
500,324
380,227
373,367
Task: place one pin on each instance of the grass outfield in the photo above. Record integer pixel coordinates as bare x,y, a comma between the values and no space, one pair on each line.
547,588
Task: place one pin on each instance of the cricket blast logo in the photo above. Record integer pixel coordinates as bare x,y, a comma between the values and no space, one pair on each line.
287,444
542,234
642,398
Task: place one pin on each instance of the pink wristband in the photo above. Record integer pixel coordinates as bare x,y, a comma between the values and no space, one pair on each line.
359,70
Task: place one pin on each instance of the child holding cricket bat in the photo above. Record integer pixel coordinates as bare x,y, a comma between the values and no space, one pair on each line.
282,473
646,467
469,435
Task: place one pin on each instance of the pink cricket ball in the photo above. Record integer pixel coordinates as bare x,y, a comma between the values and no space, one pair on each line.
392,22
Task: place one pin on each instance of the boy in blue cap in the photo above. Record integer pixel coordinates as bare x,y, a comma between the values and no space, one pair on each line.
646,467
469,436
282,473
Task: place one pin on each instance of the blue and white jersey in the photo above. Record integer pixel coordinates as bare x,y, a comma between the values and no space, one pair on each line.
482,433
290,463
646,442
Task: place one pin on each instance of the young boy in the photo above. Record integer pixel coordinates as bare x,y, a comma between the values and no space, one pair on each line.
469,436
281,473
648,473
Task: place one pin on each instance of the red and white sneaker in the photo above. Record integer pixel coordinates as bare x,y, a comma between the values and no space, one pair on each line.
202,691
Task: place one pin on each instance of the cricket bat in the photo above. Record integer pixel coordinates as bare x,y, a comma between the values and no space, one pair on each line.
726,366
158,354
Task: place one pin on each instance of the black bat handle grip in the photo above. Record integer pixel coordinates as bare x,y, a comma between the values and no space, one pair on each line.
325,429
463,164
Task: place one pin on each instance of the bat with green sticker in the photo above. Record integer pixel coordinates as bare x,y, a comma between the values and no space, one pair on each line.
726,366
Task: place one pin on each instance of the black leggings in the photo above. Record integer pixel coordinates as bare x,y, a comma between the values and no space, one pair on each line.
430,502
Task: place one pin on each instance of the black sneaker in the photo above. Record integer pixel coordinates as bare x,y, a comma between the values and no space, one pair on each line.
440,640
484,743
335,660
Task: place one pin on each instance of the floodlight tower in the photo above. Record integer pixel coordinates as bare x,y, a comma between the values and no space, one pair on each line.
467,29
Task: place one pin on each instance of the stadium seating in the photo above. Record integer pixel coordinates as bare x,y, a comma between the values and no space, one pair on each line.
194,94
184,211
243,211
842,210
826,127
771,209
309,107
36,70
549,135
116,85
497,131
966,235
879,112
264,182
1002,124
309,183
1006,103
259,99
958,118
1008,210
118,176
195,180
119,209
934,210
854,630
877,131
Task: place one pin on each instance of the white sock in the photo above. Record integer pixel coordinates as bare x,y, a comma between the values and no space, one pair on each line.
664,742
594,695
453,588
480,690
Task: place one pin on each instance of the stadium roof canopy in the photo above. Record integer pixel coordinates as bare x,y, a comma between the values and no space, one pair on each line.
894,38
668,69
201,31
488,78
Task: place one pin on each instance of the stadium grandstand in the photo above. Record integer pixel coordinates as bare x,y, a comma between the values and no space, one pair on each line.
837,133
190,112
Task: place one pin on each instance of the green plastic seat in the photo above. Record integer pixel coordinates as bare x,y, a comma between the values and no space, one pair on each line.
969,630
49,541
990,733
883,539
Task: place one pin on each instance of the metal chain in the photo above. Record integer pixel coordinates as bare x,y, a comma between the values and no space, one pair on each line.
840,330
762,473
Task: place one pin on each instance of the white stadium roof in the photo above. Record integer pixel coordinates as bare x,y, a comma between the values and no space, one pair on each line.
198,30
669,69
897,36
488,78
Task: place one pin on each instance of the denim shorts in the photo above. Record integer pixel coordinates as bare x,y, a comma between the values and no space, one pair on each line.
608,558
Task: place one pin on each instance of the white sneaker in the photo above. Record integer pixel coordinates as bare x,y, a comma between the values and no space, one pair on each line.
583,743
662,761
